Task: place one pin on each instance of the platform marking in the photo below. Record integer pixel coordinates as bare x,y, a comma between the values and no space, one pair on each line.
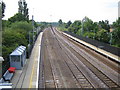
38,60
33,67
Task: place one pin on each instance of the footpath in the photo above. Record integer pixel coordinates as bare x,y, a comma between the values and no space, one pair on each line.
28,76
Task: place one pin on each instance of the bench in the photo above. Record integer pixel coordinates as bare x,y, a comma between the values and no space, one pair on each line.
9,74
3,81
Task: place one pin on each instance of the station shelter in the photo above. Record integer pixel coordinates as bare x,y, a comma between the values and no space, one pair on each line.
18,57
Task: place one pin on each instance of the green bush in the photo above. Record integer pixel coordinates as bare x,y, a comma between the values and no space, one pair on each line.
14,35
11,40
22,25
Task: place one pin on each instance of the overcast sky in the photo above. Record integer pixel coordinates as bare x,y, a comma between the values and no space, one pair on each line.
53,10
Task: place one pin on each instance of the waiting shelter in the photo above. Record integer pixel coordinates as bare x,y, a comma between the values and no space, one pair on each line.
18,57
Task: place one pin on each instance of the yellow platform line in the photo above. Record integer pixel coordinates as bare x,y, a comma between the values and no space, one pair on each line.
31,77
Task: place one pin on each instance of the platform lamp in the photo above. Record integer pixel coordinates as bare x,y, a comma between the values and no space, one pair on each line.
82,31
1,58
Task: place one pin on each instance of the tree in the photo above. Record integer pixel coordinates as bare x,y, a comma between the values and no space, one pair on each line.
95,27
60,22
103,36
116,37
22,25
5,23
11,40
23,8
75,26
104,25
68,24
88,25
3,9
117,23
116,33
16,34
18,17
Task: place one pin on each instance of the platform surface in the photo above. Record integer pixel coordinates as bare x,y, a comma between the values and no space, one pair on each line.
28,76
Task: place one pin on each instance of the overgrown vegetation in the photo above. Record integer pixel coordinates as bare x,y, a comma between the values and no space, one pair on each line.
18,30
101,31
15,34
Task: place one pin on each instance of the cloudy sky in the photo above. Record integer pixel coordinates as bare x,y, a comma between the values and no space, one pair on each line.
53,10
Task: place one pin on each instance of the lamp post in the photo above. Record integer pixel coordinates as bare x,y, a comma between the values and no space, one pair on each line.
110,38
82,28
84,19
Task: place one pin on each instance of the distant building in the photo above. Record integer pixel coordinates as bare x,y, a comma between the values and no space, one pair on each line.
119,9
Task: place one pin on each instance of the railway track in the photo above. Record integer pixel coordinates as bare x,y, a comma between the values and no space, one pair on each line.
64,67
107,61
101,75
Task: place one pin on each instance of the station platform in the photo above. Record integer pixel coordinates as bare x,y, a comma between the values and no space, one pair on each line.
106,53
28,76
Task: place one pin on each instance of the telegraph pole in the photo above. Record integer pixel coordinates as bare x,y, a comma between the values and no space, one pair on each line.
1,58
33,27
0,27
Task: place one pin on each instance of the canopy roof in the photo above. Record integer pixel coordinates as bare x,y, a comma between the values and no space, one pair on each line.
18,51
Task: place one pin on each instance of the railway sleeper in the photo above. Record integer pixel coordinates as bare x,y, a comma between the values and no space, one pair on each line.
112,85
